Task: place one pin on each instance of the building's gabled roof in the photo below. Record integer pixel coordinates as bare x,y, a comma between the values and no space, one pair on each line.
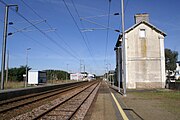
137,24
148,24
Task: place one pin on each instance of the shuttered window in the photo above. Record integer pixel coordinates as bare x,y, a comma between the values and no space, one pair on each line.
142,33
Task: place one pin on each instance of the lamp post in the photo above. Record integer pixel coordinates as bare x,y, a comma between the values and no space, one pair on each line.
26,80
4,43
124,49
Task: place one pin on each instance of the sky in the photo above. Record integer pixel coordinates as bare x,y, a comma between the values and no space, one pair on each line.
66,45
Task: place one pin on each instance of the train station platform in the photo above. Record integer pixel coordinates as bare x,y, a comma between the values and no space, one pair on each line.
107,105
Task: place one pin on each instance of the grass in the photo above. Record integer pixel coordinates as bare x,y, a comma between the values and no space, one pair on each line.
175,95
13,85
169,100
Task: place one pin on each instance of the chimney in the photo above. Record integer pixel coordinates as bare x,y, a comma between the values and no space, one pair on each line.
141,17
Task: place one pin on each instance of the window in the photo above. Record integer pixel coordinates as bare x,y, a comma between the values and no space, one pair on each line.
142,33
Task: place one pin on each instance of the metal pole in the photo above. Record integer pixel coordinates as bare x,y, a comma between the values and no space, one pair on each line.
7,66
4,47
118,68
4,43
124,47
25,83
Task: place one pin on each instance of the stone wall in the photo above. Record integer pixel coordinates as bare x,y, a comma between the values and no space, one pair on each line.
149,85
144,68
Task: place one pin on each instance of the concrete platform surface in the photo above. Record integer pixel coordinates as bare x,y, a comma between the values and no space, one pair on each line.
105,107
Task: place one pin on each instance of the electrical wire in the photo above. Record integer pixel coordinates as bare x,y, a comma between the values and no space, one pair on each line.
34,40
78,28
79,19
89,47
31,9
107,33
90,21
48,37
25,28
59,36
126,5
99,16
75,22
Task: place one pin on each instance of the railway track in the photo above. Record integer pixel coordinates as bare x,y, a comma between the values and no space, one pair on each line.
3,102
26,103
65,107
25,100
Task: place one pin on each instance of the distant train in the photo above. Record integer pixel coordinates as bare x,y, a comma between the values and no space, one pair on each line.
82,76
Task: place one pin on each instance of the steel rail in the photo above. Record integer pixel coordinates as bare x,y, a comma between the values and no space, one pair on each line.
33,95
54,107
82,102
38,99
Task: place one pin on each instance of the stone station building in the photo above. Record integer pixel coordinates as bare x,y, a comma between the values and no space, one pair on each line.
145,59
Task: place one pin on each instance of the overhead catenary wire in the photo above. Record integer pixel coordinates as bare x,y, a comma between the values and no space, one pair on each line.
77,27
99,16
31,9
25,28
80,19
56,33
21,22
89,47
126,5
107,33
32,39
90,21
48,37
45,30
75,23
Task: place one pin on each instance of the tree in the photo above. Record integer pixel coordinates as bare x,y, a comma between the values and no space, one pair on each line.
171,58
57,75
16,74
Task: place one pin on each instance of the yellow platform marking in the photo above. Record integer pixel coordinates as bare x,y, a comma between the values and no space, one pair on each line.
119,108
